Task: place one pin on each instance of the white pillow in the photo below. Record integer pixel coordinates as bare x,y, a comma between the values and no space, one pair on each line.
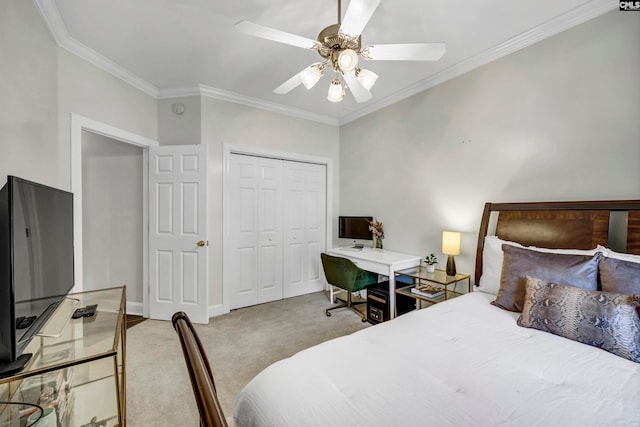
618,255
492,257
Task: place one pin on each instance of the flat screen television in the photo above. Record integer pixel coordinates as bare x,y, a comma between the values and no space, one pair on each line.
355,227
36,262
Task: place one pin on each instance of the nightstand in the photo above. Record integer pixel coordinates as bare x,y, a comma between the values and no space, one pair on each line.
438,279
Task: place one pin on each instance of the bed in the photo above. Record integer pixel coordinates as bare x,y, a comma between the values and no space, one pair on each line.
467,361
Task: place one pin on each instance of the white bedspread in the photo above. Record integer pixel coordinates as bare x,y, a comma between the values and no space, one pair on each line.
459,363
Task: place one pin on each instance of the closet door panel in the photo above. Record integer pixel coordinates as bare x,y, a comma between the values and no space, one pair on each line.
242,259
304,219
269,213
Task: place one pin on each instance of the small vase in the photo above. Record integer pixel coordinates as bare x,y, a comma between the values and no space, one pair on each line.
431,268
378,243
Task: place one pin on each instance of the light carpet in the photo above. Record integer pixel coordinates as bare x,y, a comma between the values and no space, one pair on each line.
239,345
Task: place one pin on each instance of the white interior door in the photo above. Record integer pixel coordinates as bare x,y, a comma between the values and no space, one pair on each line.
305,227
254,257
178,246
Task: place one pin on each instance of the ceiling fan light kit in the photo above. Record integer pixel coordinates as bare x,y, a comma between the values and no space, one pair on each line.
336,91
347,60
338,46
312,74
367,78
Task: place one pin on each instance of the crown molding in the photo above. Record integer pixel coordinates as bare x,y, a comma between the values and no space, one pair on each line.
105,64
578,15
211,92
550,28
51,16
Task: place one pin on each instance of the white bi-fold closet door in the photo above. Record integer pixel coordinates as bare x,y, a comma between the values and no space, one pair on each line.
277,229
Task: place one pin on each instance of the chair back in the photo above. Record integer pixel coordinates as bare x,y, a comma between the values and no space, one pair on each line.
200,373
342,272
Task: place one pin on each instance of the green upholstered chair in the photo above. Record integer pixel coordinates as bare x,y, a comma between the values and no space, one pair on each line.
344,274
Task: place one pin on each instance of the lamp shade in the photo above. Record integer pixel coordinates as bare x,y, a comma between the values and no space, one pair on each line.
367,78
348,60
335,91
451,243
310,76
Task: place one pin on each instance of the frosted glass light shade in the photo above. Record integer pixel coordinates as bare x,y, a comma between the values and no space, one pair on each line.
451,243
335,91
310,76
367,78
348,60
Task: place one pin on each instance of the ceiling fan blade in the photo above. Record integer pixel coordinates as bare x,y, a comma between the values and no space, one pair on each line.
357,15
406,52
359,92
289,85
263,32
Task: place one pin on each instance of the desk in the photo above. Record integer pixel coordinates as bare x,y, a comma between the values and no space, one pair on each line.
380,261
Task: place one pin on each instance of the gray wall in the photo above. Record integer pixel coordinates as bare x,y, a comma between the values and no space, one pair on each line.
28,95
112,215
555,121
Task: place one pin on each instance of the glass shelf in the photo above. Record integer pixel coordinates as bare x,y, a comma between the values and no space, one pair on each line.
439,278
77,368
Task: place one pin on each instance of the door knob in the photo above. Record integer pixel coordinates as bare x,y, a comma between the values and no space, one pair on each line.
201,243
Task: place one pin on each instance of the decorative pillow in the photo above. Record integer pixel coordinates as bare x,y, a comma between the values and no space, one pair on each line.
492,259
575,270
619,276
606,320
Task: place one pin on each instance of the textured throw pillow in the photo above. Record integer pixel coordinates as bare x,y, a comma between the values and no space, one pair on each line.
575,270
619,276
606,320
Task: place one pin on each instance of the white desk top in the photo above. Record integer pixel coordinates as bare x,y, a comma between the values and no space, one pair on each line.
381,256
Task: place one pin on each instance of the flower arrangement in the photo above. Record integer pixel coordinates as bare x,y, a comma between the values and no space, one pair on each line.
378,233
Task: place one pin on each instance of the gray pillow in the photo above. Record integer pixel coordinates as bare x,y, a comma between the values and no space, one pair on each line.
574,270
619,276
606,320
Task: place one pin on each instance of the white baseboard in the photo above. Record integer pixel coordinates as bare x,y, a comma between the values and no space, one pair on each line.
216,310
134,308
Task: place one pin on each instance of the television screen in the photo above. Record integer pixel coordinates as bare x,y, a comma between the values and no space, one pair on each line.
36,259
42,241
355,227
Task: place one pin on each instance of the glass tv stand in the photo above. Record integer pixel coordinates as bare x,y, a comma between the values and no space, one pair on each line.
76,375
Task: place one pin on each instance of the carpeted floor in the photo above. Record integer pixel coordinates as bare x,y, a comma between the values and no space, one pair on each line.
239,345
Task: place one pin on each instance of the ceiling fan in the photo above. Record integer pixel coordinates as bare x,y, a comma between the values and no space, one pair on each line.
340,46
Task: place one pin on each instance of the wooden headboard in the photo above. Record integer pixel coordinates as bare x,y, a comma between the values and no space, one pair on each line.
558,225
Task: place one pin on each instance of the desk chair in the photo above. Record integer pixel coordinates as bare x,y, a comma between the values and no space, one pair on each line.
200,373
344,274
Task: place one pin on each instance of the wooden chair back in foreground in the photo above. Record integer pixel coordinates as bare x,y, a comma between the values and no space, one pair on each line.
200,373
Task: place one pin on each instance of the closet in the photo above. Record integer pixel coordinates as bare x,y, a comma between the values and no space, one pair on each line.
276,229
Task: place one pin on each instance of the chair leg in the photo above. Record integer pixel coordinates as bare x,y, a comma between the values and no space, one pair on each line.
349,303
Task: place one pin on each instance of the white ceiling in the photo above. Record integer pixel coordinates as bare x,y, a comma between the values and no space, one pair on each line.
171,48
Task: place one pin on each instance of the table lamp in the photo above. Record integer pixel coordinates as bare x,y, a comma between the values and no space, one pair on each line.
451,247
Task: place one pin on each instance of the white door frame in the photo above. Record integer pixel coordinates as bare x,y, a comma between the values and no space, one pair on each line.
228,150
79,124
